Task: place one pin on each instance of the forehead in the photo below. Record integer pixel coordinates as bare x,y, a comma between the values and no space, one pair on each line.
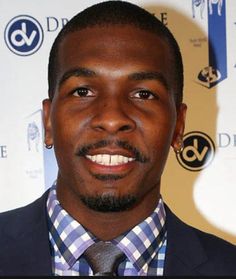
119,47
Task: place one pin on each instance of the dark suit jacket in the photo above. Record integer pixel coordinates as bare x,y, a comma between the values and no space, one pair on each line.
25,249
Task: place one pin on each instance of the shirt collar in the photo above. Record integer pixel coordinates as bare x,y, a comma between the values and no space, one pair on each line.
140,244
69,237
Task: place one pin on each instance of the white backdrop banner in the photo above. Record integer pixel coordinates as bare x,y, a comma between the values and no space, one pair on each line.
198,184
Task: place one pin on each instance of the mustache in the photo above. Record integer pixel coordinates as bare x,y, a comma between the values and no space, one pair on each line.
138,155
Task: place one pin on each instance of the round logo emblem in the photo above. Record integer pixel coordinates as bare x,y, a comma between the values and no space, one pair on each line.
23,35
198,151
209,75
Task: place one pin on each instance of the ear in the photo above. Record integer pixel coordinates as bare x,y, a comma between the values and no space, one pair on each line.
47,122
177,141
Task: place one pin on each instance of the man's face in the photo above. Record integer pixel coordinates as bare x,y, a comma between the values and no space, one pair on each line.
113,116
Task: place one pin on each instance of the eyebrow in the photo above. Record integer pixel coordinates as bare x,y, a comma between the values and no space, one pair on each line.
149,76
139,76
78,72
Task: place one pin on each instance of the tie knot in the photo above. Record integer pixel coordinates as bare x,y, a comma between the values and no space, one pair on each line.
104,258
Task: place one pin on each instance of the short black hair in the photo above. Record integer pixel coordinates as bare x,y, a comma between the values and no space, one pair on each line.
116,12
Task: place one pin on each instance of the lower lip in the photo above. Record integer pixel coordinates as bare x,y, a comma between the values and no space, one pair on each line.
104,169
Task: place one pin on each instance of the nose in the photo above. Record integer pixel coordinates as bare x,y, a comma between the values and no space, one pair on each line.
113,117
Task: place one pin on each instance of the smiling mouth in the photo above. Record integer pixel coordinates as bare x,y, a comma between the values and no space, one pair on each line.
109,160
106,154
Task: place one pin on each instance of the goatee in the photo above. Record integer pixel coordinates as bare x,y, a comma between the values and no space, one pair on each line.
109,202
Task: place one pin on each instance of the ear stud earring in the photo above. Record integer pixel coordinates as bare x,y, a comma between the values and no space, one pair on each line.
180,147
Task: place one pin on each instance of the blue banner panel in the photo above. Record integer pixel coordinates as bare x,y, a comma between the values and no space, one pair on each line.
216,71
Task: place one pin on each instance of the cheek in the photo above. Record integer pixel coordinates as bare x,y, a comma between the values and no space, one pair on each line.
159,131
66,126
63,138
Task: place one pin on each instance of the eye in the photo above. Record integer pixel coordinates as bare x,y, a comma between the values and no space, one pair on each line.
144,94
82,92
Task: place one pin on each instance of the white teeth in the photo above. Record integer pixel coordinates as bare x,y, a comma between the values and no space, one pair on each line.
114,160
105,159
109,160
99,158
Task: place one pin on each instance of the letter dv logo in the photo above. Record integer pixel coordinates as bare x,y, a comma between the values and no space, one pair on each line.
23,35
198,152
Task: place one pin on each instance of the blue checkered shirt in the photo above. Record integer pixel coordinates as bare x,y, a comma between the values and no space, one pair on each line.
144,245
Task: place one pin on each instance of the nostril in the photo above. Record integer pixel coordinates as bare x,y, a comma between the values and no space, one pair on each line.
112,121
125,128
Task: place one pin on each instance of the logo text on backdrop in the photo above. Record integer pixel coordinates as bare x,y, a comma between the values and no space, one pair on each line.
198,151
3,151
23,35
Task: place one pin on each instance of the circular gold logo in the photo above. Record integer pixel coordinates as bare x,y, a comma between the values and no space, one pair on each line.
198,151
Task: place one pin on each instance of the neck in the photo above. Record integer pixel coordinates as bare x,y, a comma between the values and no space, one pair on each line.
108,225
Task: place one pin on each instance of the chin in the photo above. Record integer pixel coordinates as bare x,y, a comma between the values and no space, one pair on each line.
109,202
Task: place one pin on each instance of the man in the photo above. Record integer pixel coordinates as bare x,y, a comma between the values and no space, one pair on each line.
114,110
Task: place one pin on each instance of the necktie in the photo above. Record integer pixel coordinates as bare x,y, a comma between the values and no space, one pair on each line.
104,258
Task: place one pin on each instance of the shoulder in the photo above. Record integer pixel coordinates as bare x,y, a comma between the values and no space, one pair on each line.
202,252
208,240
12,220
216,246
24,240
221,254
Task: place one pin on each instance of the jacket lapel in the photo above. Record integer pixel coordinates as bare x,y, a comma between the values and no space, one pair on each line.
184,250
